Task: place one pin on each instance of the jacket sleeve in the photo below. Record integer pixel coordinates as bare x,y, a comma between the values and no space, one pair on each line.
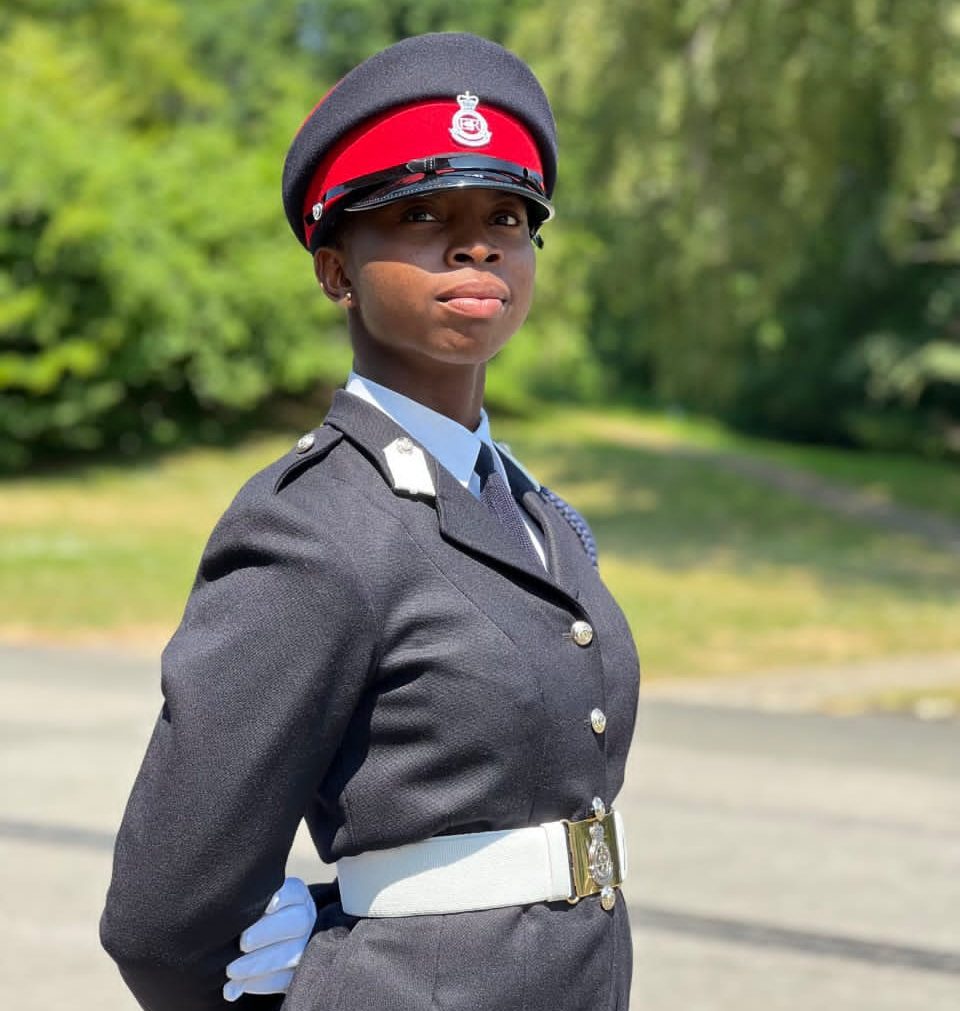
259,682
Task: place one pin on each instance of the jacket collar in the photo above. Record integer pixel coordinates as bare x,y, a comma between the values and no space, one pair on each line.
451,444
462,518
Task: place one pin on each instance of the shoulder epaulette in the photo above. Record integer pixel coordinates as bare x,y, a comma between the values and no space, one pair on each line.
310,449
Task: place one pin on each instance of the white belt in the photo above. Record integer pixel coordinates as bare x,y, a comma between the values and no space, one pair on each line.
486,870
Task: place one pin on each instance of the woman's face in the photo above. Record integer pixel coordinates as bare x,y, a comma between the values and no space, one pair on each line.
442,278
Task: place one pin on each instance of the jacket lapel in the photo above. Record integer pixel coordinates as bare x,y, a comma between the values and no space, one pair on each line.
552,524
469,523
462,519
526,488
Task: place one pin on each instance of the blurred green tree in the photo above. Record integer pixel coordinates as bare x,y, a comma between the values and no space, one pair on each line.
776,192
145,273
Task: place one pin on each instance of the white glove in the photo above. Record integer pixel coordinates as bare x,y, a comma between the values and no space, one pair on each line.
273,944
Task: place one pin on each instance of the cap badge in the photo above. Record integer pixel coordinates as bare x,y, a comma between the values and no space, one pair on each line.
469,127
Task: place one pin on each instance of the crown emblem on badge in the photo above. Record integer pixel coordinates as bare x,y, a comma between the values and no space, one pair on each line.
468,126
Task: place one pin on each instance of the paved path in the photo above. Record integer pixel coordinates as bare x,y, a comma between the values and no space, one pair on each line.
779,861
838,689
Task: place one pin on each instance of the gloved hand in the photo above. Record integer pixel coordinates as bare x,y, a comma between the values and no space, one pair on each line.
273,944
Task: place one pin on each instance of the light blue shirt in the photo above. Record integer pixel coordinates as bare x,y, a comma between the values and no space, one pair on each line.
451,444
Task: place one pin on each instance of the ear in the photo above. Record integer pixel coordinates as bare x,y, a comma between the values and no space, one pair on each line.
329,267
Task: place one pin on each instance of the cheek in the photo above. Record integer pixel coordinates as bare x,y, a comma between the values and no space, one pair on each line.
523,283
388,292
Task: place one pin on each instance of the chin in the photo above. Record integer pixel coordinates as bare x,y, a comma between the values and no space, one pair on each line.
469,349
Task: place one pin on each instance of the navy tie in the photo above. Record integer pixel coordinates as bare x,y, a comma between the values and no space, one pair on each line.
495,494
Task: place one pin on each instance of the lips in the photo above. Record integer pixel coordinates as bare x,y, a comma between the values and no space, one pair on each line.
482,299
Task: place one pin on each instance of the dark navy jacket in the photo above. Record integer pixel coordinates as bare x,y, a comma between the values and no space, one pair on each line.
388,667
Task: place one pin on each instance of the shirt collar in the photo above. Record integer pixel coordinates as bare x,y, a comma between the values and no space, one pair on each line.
450,443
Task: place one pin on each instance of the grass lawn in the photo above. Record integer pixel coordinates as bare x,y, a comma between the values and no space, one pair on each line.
931,485
717,572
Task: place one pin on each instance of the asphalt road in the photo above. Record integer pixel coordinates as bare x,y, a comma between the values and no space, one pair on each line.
778,862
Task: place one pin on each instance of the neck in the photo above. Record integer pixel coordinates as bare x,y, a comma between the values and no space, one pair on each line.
452,390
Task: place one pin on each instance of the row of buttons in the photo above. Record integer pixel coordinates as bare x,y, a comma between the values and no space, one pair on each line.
582,634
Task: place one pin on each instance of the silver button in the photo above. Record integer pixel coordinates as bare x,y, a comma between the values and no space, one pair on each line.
404,444
582,633
599,808
598,720
305,442
608,898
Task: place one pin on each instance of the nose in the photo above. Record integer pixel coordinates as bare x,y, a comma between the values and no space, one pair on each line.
476,247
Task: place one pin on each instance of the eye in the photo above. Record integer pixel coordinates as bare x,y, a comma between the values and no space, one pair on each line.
510,213
419,214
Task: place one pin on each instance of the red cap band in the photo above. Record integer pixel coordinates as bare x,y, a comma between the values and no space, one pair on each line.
418,131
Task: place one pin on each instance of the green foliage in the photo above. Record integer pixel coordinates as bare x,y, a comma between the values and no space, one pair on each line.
759,212
150,289
776,188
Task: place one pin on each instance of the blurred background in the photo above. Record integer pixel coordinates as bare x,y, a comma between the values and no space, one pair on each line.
743,365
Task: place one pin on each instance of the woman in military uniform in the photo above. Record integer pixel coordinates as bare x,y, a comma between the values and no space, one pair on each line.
395,632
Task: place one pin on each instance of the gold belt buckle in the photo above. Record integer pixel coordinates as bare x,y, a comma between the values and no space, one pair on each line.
594,857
